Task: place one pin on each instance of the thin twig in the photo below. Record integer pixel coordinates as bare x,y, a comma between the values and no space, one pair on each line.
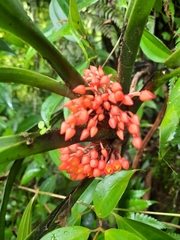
43,193
149,212
112,51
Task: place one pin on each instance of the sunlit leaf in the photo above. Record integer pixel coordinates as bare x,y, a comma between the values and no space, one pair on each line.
141,230
109,191
119,234
169,124
153,48
68,233
48,107
25,224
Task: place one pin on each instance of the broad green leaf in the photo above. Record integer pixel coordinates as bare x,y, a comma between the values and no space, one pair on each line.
153,48
55,156
32,171
86,198
141,230
25,224
47,186
173,61
109,191
147,220
68,233
119,234
48,107
169,124
18,75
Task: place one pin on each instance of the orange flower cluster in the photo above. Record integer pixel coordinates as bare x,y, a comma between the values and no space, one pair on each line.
92,160
105,105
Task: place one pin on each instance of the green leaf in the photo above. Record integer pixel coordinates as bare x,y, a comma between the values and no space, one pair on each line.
77,26
109,191
173,61
119,234
4,46
5,96
141,230
138,204
86,198
48,107
31,172
28,123
153,48
55,156
169,124
18,75
25,224
140,217
47,186
68,233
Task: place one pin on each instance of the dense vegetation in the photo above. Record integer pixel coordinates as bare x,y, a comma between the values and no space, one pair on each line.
44,48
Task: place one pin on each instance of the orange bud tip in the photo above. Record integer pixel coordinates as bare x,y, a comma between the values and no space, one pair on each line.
146,95
80,89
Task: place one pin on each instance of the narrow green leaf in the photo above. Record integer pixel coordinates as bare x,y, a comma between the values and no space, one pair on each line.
18,75
25,224
173,61
47,186
48,107
153,48
119,234
169,124
68,233
109,191
16,167
141,230
77,26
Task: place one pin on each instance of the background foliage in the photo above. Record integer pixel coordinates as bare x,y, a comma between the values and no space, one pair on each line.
37,74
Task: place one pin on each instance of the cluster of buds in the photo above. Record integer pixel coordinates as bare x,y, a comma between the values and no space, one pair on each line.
105,106
92,160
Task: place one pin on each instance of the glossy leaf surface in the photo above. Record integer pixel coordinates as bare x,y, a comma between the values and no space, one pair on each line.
141,230
153,48
68,233
170,121
25,224
109,191
119,234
